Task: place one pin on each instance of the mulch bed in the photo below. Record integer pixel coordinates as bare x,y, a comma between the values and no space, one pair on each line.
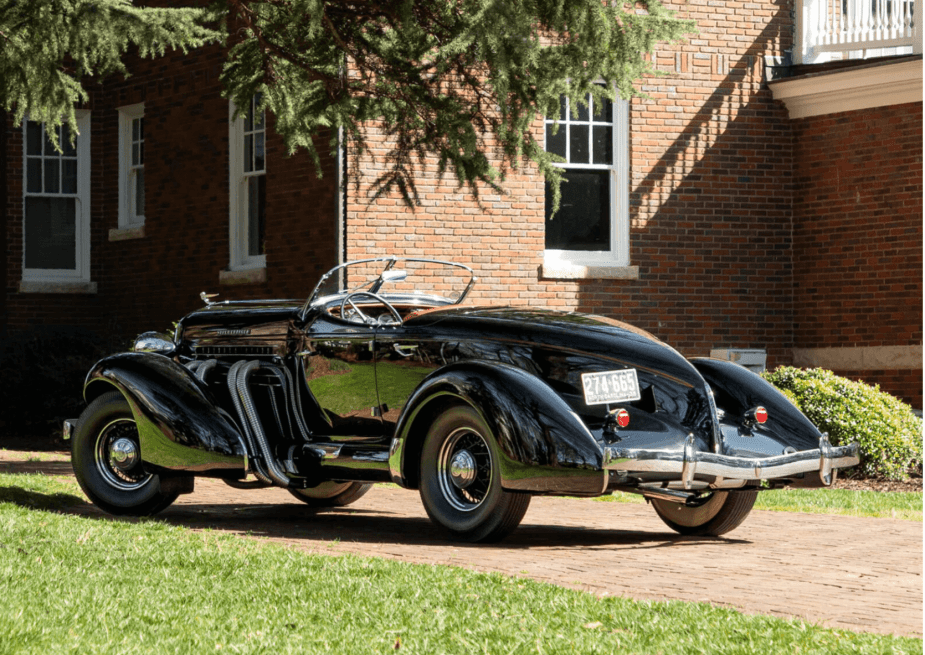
911,485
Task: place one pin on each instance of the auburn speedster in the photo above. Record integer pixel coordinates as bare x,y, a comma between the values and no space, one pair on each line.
384,375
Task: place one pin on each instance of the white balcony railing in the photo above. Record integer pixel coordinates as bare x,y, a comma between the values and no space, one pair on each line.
856,29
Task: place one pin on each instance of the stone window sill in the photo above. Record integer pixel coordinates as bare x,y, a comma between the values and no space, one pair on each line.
39,286
568,271
127,233
249,276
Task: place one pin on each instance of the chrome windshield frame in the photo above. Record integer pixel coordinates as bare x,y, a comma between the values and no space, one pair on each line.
389,264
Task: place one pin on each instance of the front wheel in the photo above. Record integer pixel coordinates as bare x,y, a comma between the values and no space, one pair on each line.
719,513
107,460
461,480
332,494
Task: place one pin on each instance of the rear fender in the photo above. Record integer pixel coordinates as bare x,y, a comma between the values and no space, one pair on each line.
737,390
544,445
180,425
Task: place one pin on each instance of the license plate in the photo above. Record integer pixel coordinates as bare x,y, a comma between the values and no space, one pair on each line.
610,386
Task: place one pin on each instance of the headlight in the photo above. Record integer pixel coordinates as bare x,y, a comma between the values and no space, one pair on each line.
154,342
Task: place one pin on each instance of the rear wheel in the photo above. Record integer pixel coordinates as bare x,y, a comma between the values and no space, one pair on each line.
461,480
721,512
332,494
107,460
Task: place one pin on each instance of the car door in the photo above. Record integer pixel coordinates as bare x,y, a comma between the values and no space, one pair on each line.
338,362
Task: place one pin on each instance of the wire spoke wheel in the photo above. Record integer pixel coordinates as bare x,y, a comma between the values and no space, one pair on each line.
106,455
461,480
716,514
464,469
117,456
331,493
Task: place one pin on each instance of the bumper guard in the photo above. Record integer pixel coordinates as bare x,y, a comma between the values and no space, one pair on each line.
690,462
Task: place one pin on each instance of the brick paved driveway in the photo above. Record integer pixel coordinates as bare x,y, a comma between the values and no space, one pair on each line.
842,572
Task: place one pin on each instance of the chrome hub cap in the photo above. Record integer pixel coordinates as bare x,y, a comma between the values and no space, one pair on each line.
462,469
117,457
123,454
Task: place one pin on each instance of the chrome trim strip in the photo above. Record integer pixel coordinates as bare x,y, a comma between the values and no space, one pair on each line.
690,462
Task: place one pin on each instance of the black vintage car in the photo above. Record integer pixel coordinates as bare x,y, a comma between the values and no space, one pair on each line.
382,375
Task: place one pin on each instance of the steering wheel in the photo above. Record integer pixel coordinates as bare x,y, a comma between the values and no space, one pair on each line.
348,300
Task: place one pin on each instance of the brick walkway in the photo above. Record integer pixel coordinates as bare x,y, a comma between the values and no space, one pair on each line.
841,572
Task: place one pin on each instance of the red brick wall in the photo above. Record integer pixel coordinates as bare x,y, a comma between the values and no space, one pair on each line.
149,282
858,235
710,199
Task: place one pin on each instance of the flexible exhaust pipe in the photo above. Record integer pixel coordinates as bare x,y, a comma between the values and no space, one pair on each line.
232,381
275,472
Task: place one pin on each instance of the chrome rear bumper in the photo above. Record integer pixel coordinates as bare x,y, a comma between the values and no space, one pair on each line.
690,462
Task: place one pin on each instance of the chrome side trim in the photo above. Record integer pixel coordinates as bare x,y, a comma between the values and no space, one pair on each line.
690,462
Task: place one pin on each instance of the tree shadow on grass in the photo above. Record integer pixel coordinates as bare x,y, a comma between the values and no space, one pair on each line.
32,499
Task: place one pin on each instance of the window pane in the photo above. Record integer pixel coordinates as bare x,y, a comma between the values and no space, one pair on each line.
69,176
258,117
256,214
249,153
603,111
583,219
69,150
136,154
602,144
51,240
136,129
33,138
51,175
139,195
583,111
555,143
33,175
258,151
578,144
49,148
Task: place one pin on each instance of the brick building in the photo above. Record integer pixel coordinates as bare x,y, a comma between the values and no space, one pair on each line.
762,197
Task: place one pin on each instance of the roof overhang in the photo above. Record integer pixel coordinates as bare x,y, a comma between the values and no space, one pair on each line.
834,91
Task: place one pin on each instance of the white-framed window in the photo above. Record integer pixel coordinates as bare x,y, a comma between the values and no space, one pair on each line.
591,228
247,187
56,204
132,166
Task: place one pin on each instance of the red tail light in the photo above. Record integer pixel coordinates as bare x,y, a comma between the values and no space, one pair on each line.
623,418
756,415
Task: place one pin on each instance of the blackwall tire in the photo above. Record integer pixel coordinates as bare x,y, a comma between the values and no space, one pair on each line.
723,512
332,494
107,462
461,480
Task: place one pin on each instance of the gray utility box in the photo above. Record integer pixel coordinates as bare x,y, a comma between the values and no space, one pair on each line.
751,358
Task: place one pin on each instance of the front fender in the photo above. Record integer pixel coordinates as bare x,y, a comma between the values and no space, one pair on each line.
544,445
737,390
180,425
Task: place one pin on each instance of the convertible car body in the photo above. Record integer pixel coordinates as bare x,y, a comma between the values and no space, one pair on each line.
384,375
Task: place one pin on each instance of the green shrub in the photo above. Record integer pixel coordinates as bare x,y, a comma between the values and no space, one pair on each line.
888,432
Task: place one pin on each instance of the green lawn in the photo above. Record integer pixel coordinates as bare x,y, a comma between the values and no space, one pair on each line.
79,585
907,506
